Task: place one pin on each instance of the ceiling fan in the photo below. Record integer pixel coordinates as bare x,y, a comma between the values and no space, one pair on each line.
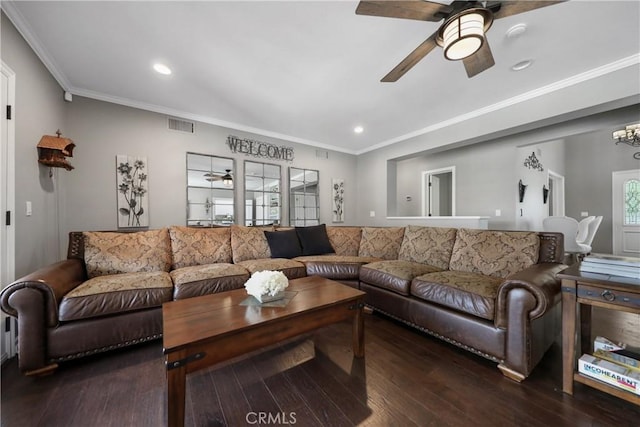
227,179
461,35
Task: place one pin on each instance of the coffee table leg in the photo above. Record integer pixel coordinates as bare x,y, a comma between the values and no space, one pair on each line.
358,333
176,387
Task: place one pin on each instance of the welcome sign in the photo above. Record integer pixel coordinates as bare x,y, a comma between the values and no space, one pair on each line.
259,149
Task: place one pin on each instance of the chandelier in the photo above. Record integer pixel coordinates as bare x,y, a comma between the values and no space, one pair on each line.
630,135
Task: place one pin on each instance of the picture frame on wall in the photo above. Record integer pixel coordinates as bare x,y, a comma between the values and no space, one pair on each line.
337,192
132,186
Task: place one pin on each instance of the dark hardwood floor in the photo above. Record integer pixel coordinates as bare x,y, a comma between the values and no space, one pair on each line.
406,378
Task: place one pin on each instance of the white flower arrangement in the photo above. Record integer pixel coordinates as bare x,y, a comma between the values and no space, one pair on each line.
263,283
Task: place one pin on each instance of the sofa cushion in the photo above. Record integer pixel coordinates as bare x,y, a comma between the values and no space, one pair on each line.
494,253
198,246
336,267
116,293
428,245
292,269
345,240
470,293
314,240
381,242
199,280
249,243
394,275
114,253
283,244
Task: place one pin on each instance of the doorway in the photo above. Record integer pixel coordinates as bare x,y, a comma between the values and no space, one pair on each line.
556,194
7,203
626,212
439,192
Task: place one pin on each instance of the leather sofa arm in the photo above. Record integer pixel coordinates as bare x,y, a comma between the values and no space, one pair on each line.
540,281
52,281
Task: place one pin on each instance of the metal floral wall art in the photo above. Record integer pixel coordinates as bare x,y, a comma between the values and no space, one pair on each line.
337,185
132,186
532,162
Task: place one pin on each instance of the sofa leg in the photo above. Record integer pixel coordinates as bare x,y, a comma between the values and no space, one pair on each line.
511,374
41,372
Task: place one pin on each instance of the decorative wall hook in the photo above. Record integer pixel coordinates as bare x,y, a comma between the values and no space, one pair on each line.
545,194
521,190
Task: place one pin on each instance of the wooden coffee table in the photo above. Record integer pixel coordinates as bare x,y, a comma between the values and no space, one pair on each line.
202,331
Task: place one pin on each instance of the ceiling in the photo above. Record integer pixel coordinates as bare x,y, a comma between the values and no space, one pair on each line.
309,71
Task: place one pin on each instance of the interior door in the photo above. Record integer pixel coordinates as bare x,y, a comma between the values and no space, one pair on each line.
626,213
7,188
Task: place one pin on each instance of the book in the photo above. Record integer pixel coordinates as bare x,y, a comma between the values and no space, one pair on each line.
620,358
601,343
610,373
616,260
610,270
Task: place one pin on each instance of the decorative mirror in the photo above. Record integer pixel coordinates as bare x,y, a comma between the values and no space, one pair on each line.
304,207
262,199
210,191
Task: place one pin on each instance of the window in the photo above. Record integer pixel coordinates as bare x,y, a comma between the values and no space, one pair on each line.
210,193
303,197
632,202
262,198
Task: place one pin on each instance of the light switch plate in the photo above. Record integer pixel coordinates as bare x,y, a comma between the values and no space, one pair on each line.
28,210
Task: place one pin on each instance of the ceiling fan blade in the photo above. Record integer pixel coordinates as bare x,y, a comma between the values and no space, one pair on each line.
412,59
508,8
479,61
408,9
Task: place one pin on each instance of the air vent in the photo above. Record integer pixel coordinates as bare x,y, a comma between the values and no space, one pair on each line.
182,125
322,154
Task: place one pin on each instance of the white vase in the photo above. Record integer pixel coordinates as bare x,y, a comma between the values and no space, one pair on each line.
268,298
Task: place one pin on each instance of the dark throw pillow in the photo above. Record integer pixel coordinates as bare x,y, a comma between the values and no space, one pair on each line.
314,240
283,244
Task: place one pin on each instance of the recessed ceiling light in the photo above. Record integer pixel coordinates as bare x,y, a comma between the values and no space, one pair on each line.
162,69
522,65
358,129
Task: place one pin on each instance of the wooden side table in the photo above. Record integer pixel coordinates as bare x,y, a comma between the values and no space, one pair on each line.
582,291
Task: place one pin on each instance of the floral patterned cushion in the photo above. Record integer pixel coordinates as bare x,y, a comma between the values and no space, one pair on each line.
471,293
494,253
381,242
199,246
292,269
345,240
116,293
113,253
428,245
249,243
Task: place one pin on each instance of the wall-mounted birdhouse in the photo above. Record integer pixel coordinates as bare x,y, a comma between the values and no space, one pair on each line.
53,151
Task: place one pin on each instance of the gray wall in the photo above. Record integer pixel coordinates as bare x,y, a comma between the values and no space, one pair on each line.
39,110
591,159
103,130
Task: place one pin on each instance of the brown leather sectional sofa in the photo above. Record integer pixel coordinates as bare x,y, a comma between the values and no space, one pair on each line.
491,292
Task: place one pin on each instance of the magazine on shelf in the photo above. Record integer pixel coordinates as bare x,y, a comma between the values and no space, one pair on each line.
601,343
620,357
610,373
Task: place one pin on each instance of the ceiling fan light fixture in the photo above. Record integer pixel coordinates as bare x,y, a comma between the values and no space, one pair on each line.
227,179
463,35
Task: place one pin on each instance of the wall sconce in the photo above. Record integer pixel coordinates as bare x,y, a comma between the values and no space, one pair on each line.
532,162
545,194
521,190
630,135
53,150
